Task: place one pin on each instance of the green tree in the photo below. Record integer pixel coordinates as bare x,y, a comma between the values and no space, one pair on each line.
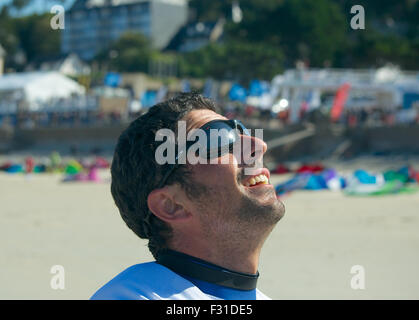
311,30
8,38
131,52
30,34
236,60
36,37
19,4
319,31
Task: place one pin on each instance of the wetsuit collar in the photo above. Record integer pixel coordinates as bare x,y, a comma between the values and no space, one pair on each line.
202,270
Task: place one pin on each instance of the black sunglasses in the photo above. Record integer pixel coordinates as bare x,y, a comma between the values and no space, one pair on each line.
227,133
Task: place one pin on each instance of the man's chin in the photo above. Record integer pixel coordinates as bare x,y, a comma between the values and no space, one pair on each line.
271,203
265,208
264,194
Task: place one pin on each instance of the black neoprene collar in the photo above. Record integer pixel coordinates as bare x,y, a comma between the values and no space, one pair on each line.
202,270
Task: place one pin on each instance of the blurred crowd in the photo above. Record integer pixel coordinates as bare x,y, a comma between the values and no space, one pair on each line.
28,120
379,117
370,116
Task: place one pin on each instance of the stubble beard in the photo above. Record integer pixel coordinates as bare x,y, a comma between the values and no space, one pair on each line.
234,225
259,215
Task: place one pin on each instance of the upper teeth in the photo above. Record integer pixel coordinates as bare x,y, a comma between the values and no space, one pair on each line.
260,178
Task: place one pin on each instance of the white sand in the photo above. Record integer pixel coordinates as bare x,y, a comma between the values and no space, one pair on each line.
308,256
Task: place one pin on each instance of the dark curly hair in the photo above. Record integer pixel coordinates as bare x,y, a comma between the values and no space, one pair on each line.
135,172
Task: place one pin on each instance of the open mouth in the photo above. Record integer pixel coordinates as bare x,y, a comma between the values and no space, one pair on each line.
257,180
261,178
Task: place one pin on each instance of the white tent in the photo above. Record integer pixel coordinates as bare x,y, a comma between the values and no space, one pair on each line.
40,87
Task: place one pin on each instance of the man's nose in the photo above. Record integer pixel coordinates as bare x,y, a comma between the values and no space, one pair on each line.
252,150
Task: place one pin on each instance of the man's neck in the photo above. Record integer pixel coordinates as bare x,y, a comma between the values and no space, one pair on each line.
239,257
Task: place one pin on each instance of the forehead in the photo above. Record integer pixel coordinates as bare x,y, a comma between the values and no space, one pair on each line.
197,118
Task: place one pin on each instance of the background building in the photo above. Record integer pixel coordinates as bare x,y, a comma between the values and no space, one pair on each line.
70,65
196,35
91,25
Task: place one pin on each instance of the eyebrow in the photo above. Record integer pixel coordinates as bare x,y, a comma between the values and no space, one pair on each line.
208,119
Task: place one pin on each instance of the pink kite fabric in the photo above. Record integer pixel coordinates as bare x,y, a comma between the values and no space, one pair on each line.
92,176
339,102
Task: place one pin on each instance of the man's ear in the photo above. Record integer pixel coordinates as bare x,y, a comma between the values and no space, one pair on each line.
163,204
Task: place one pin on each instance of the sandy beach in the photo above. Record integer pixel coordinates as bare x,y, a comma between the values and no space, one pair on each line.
309,255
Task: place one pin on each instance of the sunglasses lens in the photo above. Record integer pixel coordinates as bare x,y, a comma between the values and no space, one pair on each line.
220,137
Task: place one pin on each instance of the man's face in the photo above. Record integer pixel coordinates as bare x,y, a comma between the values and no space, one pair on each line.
230,204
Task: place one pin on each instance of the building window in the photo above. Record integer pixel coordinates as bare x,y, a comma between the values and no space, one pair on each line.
78,15
105,12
